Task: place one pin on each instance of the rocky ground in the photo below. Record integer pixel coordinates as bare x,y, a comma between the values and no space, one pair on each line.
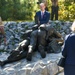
61,73
38,66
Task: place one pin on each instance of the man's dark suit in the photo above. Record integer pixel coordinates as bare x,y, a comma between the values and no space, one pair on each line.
39,19
69,53
69,49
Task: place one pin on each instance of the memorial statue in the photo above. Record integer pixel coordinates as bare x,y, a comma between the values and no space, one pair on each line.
48,38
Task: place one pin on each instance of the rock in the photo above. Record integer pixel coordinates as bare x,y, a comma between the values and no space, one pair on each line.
52,68
60,69
1,47
46,66
39,69
62,73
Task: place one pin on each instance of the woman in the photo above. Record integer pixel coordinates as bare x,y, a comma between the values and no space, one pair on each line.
2,33
69,52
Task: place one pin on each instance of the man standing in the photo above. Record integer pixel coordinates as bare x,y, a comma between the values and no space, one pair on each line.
54,9
42,16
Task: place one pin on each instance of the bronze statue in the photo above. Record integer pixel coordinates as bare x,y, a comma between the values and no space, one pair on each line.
45,38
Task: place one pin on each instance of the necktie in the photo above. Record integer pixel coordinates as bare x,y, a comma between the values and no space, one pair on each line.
42,14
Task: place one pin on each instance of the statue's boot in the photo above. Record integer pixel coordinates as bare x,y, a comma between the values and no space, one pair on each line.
29,55
31,47
41,50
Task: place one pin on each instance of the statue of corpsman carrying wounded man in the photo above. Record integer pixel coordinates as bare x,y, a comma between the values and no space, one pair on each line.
42,37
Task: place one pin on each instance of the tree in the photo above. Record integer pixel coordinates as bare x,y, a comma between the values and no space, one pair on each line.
2,8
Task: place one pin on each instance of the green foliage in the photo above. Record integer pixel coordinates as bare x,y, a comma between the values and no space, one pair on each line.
17,9
67,11
25,9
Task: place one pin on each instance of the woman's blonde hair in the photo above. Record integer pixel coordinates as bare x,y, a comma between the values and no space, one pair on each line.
73,27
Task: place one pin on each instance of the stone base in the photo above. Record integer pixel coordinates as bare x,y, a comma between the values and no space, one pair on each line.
46,66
